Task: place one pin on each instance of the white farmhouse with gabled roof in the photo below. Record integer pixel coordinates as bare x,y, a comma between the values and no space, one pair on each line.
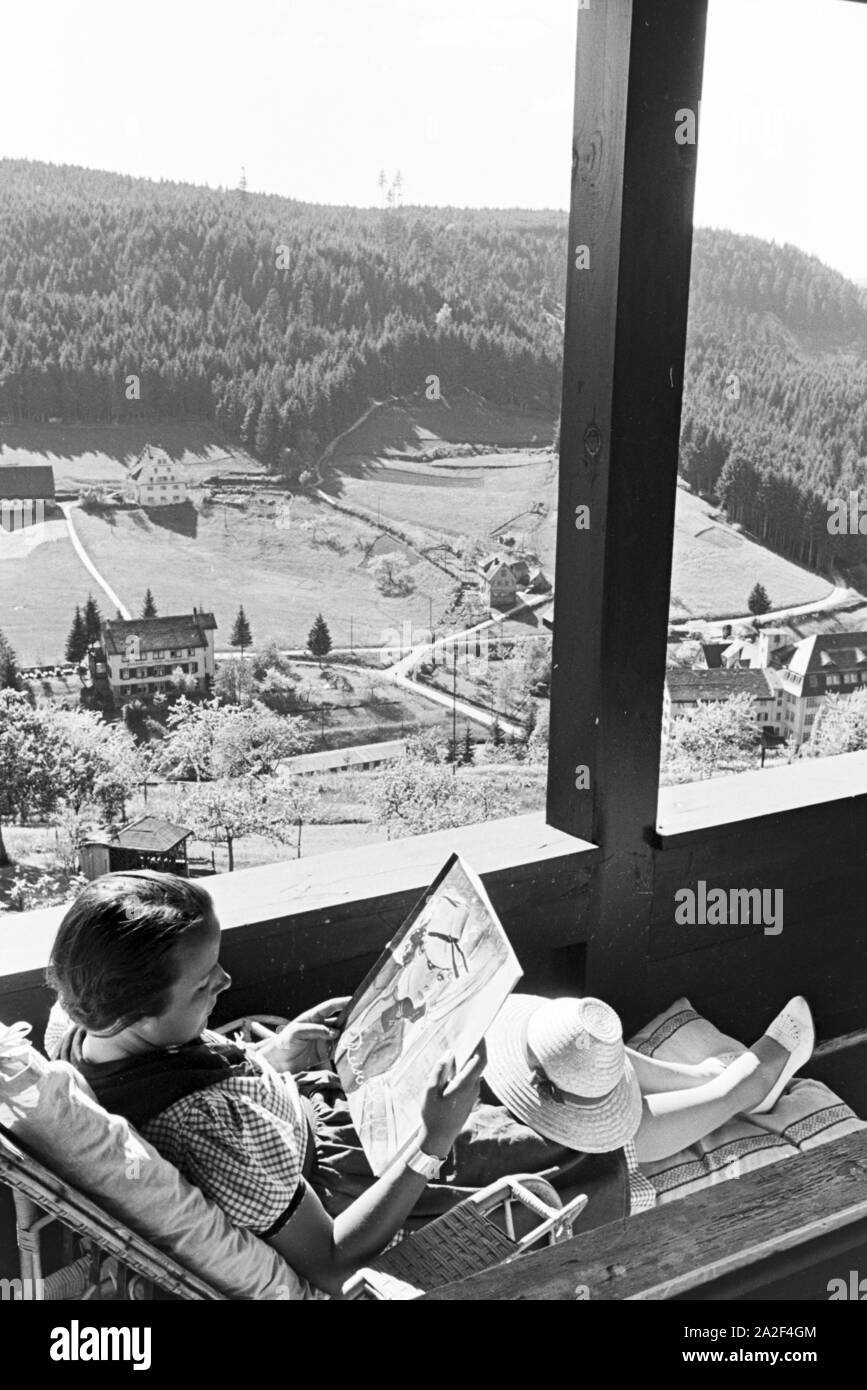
142,656
154,481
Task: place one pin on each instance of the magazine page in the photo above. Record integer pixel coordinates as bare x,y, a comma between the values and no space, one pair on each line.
434,993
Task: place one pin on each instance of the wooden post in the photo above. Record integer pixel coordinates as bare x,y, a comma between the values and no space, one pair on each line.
639,67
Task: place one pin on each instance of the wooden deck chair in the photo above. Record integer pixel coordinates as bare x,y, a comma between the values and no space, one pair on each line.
104,1259
467,1240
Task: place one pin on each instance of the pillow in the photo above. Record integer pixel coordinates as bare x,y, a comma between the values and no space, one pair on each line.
806,1115
51,1109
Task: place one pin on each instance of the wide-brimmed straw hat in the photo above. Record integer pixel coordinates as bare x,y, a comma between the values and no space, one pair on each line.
560,1066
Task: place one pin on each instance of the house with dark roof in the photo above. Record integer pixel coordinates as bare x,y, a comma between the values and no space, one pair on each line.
25,492
685,690
145,655
710,658
828,663
151,842
499,586
503,575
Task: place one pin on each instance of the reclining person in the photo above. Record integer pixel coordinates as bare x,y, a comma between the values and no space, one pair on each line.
136,967
262,1132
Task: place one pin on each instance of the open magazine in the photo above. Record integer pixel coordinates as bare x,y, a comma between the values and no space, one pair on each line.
433,993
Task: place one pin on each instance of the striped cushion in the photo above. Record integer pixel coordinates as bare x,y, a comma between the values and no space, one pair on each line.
807,1114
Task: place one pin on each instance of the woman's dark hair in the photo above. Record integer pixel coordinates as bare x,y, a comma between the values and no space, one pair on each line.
111,961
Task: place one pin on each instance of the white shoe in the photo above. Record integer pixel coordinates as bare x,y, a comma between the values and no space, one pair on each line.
794,1030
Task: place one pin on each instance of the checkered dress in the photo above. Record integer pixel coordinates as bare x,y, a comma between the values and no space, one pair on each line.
242,1141
642,1193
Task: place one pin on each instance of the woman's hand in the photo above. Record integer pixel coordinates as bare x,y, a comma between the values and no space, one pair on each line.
450,1098
308,1041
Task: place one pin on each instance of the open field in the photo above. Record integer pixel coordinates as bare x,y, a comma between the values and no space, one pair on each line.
264,554
415,424
39,589
84,455
260,548
466,497
715,567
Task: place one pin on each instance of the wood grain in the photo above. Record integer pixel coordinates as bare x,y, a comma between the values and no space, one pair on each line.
687,1244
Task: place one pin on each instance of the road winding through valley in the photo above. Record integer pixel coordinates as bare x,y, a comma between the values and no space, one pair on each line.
67,509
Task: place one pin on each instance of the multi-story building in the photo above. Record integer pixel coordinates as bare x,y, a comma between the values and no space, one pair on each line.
791,679
499,584
502,576
685,690
141,656
154,481
828,663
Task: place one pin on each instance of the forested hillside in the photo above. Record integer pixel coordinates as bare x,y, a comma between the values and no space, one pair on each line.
281,321
775,401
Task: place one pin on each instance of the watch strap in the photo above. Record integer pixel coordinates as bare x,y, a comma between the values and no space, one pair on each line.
426,1165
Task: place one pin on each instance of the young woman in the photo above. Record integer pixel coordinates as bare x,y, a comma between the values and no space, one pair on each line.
136,967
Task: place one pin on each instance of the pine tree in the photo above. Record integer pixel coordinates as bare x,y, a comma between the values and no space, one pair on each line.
497,736
319,639
9,679
468,754
758,601
92,618
241,635
76,642
451,753
149,609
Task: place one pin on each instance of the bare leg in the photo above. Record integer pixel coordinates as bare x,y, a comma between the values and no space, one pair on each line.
661,1135
655,1076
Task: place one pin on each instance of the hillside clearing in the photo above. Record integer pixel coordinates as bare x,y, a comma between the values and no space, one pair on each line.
257,553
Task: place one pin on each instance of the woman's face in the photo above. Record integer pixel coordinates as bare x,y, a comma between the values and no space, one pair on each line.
199,980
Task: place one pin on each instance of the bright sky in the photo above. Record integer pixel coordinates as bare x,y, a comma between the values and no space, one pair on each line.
470,99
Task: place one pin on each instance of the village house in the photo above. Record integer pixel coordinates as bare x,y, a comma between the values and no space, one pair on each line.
25,493
685,690
801,673
154,481
502,576
755,653
141,656
498,584
828,663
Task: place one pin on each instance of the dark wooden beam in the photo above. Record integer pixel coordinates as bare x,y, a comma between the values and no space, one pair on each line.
639,65
801,1207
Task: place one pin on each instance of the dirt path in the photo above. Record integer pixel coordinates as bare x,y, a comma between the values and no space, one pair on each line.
66,508
837,597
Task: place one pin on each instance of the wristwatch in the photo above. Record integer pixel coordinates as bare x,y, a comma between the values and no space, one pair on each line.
424,1164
